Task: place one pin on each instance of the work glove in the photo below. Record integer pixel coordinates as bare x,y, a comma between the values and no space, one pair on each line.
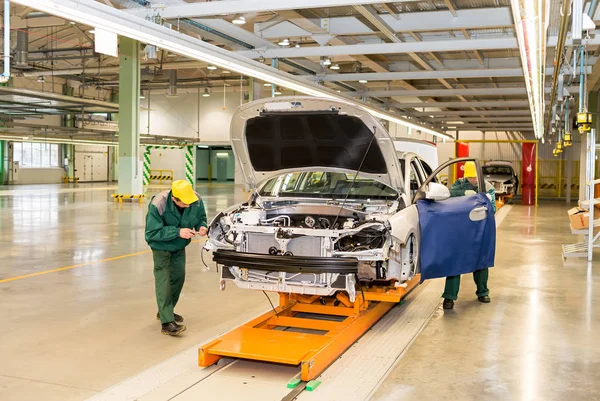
470,192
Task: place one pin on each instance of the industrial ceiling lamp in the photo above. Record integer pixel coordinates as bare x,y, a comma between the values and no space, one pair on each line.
362,81
206,93
211,67
267,84
277,91
531,22
92,13
335,67
41,79
285,42
327,61
240,20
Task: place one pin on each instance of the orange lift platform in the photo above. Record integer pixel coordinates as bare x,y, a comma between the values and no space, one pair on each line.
306,331
502,200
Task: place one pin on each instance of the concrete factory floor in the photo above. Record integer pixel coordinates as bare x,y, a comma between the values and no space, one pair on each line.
70,333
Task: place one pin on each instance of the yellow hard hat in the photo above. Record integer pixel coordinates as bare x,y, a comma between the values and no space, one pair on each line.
469,170
183,191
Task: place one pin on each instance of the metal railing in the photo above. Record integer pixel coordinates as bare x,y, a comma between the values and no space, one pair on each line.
161,175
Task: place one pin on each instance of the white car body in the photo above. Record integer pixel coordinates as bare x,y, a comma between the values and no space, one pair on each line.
274,241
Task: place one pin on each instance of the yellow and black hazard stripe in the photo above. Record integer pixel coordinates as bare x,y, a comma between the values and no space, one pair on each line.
121,197
161,177
547,186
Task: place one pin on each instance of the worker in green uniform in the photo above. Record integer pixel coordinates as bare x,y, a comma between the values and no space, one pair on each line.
173,218
464,187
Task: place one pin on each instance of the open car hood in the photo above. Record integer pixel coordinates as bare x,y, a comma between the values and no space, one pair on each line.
274,136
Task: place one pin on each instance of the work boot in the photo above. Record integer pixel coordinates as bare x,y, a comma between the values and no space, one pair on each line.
485,299
178,318
172,328
448,304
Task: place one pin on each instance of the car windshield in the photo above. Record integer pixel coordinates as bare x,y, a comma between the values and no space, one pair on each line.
327,185
502,170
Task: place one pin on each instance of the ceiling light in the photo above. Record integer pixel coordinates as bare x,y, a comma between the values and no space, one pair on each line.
98,15
277,91
362,81
41,79
297,45
211,67
92,31
284,42
267,84
327,61
241,20
225,72
335,67
205,94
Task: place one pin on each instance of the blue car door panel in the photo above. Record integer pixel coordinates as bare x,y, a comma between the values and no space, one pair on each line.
458,236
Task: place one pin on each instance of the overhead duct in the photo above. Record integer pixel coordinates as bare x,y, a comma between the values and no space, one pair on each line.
172,89
22,52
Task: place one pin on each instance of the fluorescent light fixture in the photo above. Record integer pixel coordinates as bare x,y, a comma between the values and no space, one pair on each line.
335,67
222,154
142,96
327,61
267,84
297,45
202,146
225,72
277,91
362,81
92,31
284,42
531,24
211,67
92,13
205,94
241,20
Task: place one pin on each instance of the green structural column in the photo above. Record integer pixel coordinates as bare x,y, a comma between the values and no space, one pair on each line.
147,166
189,164
130,170
2,168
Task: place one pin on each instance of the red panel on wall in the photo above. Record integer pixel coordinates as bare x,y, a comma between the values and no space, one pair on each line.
528,174
462,150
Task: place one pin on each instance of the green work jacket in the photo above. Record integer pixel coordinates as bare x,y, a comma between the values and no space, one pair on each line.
462,185
163,222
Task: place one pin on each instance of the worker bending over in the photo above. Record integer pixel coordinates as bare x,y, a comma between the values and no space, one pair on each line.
173,218
464,187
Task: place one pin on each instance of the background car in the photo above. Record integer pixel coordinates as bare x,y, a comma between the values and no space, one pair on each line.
502,176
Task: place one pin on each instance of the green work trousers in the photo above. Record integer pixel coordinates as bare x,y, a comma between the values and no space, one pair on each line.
453,285
169,275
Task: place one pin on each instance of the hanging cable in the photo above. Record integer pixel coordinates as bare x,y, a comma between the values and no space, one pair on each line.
273,307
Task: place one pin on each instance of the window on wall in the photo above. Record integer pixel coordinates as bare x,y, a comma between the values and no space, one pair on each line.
35,155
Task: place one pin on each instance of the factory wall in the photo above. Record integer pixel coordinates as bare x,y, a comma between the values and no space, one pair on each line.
189,115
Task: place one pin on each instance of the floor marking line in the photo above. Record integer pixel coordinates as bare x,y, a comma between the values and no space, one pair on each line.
50,383
6,280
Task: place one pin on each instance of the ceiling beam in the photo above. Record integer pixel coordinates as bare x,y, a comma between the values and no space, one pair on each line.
492,118
523,112
205,9
435,74
399,48
488,104
451,7
451,92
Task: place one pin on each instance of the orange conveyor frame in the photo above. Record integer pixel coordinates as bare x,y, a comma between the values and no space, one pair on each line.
338,324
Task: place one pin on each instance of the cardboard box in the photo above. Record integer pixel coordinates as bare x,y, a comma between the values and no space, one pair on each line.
579,218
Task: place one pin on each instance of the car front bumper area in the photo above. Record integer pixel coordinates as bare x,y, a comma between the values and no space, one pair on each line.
290,274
